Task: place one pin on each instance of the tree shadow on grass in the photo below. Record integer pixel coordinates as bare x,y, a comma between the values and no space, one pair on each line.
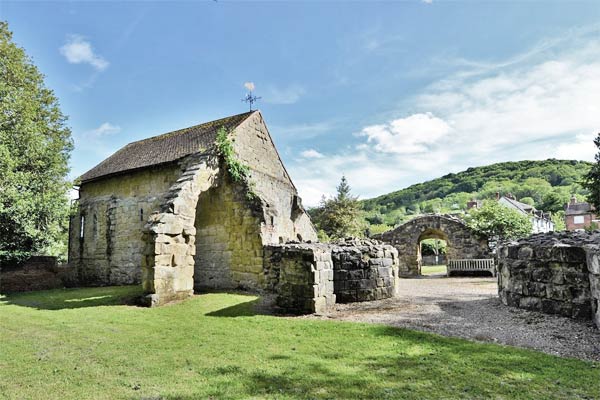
60,299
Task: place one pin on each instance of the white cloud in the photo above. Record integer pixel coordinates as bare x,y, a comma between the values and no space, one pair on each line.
77,50
427,1
105,129
288,95
412,134
311,153
249,86
579,148
546,106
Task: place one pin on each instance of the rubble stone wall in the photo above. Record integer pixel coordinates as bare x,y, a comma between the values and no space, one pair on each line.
555,273
364,270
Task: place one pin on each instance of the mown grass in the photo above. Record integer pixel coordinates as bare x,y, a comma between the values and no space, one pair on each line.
433,269
81,344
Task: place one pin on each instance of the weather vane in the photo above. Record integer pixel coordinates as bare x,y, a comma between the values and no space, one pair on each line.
250,99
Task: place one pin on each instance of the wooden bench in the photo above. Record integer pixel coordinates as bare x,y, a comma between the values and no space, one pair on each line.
481,264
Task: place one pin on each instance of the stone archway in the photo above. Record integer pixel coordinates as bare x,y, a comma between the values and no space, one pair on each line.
170,235
463,242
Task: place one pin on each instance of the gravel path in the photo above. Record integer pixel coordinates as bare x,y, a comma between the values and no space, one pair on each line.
469,308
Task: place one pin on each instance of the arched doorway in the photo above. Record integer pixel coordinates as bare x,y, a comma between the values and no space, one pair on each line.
432,248
462,242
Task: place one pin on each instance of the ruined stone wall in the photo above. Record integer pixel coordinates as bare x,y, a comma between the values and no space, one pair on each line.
593,263
36,273
229,248
301,276
285,217
115,210
555,273
364,270
462,242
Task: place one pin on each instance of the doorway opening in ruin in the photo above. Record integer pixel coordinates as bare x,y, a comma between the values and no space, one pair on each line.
432,249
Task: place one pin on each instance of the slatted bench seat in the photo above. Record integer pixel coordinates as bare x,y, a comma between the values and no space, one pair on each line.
481,264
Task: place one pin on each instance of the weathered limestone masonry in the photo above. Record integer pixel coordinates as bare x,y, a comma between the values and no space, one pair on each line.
364,270
463,243
301,275
168,262
107,249
556,273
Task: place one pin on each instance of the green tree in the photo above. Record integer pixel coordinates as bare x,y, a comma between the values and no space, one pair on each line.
342,215
591,180
35,145
496,220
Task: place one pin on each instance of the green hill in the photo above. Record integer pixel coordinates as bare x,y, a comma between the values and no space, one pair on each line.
547,185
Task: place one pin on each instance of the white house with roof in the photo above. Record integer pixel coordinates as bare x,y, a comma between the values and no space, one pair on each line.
541,221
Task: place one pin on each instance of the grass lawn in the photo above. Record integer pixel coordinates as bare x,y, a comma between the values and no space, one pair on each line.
433,269
81,344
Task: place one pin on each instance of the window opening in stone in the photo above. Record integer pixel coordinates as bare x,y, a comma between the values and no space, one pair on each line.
142,214
81,226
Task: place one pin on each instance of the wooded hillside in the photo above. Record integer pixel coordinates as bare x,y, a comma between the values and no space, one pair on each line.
546,184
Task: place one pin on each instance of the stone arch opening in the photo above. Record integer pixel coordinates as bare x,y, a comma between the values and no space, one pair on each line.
228,245
463,243
429,233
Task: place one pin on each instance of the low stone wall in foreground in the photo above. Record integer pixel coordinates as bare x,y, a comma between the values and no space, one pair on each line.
364,270
311,277
555,273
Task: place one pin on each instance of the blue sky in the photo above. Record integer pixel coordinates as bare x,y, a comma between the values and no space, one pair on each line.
389,94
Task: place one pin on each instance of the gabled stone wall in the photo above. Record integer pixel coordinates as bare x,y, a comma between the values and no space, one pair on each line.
556,273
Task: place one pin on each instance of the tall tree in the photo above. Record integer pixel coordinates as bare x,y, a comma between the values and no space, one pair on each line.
35,146
592,179
340,216
496,220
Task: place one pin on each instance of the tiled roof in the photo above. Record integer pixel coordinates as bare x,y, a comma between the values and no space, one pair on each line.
526,208
163,148
578,208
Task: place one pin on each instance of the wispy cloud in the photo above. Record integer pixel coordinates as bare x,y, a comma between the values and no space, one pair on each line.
105,129
306,130
311,153
77,50
286,95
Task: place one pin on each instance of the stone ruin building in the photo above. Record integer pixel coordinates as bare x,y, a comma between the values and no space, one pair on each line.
168,213
173,214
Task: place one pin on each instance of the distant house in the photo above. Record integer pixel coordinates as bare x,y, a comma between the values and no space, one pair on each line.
579,215
541,221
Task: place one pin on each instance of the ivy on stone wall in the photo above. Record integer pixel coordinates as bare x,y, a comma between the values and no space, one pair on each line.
238,171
